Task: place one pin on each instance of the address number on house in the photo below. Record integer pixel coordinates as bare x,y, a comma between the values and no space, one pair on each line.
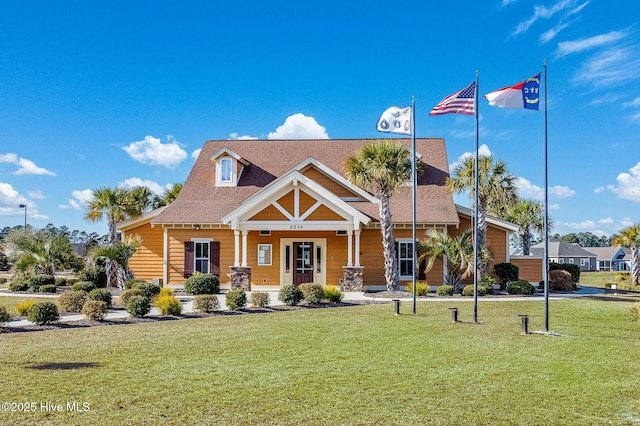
296,226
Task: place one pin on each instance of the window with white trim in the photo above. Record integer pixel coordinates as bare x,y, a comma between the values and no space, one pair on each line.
561,260
264,254
405,260
226,173
584,261
201,256
571,260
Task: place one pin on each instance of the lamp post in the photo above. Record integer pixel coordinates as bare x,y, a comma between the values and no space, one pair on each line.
24,206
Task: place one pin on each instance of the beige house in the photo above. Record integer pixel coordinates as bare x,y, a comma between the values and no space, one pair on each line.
274,212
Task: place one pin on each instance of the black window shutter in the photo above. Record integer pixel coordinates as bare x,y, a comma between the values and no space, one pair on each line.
188,258
214,258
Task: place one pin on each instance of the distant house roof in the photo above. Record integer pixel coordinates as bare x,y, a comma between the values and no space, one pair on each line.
202,202
608,253
561,248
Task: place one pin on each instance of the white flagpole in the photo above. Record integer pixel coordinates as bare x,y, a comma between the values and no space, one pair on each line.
413,198
475,233
545,268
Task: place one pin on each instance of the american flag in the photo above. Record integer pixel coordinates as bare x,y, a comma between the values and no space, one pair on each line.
462,102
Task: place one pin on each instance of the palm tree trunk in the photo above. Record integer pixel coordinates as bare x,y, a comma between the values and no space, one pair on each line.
113,236
112,272
526,243
388,246
635,265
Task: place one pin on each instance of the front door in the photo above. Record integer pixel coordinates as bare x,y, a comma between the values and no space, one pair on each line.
303,272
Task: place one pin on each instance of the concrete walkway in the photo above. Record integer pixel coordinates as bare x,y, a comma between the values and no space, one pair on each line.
360,297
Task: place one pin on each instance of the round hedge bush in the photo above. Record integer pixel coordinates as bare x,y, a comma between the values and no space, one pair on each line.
236,299
84,286
148,290
37,281
43,313
259,299
128,294
311,293
138,306
98,276
445,290
207,303
4,315
18,285
95,310
200,283
290,295
100,294
72,301
48,288
132,283
520,287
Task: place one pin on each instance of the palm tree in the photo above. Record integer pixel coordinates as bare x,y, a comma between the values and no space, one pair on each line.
114,204
141,200
455,252
168,196
44,256
528,215
382,168
120,254
630,237
496,191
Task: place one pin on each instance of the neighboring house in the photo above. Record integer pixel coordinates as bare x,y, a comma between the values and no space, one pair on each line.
274,212
611,258
561,251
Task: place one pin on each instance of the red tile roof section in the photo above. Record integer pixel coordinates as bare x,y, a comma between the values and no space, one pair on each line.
201,202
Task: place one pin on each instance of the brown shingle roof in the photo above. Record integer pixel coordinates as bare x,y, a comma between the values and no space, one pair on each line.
200,201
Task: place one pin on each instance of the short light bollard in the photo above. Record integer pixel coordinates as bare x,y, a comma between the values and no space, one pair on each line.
525,323
396,303
454,314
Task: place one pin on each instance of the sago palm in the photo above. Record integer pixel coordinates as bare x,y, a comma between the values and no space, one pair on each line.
496,191
119,254
455,252
382,168
630,237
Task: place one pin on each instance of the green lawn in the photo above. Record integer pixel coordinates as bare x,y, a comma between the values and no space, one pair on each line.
10,302
353,365
597,279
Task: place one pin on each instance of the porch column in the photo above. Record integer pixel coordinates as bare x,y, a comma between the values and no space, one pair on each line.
350,248
357,247
165,256
236,258
244,247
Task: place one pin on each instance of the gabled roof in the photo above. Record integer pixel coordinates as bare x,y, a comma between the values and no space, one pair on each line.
561,248
201,202
607,253
498,223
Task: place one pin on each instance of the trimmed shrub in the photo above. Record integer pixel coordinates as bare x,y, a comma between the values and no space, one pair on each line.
39,280
236,299
332,294
573,269
18,285
520,287
84,286
560,280
98,276
101,295
467,290
4,315
138,306
148,290
311,293
3,280
133,283
128,294
72,281
43,313
61,282
48,288
95,310
22,307
506,272
259,299
207,303
445,290
72,301
422,288
485,286
168,305
200,283
290,295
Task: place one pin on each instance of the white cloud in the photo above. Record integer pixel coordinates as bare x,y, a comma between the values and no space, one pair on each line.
483,151
10,201
25,167
610,67
542,12
581,226
632,104
79,200
234,136
575,46
628,187
606,221
153,152
550,34
626,222
299,126
528,190
554,206
37,194
196,153
135,181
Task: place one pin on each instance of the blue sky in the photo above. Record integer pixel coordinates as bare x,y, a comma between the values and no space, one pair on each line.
123,93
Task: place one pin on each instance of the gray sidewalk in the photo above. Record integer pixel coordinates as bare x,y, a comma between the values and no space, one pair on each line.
187,302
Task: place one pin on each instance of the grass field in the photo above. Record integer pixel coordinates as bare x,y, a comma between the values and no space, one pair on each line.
597,279
10,302
351,365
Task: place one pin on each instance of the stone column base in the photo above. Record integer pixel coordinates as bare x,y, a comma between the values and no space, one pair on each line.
353,278
240,277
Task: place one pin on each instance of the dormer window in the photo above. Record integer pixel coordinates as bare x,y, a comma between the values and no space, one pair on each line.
229,167
225,170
